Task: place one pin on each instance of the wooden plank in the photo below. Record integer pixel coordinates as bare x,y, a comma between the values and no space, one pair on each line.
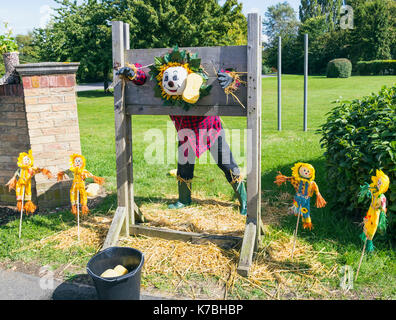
236,111
121,125
246,256
259,113
253,119
195,238
115,228
139,216
212,58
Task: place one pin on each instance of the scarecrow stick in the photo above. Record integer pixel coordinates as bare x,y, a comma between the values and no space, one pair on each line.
20,220
361,259
295,236
78,214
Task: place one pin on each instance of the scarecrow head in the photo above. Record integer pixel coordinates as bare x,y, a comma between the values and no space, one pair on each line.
380,182
180,78
25,160
77,161
303,171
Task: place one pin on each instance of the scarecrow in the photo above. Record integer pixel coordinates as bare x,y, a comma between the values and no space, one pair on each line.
77,191
22,181
376,215
302,179
181,81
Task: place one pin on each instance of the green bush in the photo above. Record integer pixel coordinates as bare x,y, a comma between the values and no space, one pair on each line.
360,137
376,67
339,68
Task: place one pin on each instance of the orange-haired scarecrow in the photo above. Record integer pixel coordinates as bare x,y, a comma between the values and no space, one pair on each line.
22,181
77,168
302,179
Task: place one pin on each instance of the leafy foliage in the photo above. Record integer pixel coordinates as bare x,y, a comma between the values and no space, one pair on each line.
372,38
82,32
7,42
339,68
360,137
376,67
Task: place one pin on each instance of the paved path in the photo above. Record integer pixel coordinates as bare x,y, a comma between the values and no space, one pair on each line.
89,86
20,286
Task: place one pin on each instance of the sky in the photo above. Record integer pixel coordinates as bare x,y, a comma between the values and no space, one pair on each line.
24,15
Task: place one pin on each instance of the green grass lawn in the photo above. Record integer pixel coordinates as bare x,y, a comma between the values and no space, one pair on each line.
280,150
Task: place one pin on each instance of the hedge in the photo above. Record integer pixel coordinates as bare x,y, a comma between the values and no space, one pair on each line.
339,68
376,67
360,137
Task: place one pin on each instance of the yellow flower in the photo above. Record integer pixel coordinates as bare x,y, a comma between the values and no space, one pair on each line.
304,210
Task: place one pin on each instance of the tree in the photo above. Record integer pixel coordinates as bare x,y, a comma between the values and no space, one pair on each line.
279,20
374,30
313,8
83,32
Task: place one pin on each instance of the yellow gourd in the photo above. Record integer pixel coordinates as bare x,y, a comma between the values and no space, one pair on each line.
193,85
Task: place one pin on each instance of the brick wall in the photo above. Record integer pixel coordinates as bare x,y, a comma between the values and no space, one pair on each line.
13,134
40,114
51,112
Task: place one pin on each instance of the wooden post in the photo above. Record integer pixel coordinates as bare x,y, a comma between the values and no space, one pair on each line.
279,83
20,219
121,125
252,231
305,82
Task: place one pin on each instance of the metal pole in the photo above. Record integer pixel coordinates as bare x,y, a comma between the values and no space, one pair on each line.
279,83
305,80
20,220
78,214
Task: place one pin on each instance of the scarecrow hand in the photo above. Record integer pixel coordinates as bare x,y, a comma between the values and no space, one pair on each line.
126,72
280,179
224,79
98,180
61,176
47,173
11,184
320,201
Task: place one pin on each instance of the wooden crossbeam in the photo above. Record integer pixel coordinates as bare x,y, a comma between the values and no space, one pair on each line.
223,241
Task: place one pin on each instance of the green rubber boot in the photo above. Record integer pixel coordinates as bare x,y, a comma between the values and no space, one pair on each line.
240,191
184,195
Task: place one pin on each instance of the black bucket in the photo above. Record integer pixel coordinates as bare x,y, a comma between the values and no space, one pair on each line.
126,287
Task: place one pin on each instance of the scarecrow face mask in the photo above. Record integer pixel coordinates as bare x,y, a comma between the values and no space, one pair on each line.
174,80
305,172
26,161
78,163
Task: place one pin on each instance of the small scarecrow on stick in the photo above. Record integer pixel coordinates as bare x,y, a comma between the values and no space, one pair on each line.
77,191
21,182
302,179
376,215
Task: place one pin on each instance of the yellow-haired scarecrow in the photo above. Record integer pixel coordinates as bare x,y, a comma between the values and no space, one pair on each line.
376,215
77,168
22,181
302,179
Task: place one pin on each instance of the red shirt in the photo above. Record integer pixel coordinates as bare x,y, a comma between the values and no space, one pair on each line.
199,131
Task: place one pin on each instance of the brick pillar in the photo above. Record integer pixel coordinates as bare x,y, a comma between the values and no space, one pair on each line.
51,125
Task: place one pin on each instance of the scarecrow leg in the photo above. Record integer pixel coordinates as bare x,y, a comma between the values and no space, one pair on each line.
361,259
20,220
295,235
